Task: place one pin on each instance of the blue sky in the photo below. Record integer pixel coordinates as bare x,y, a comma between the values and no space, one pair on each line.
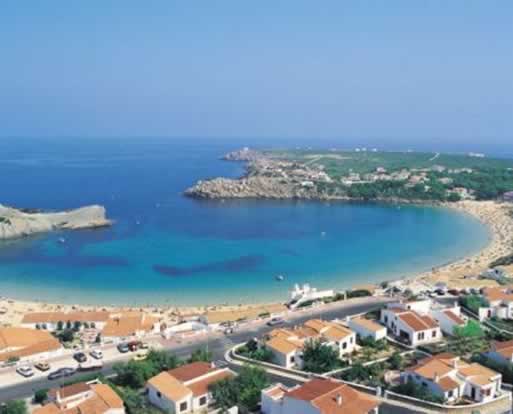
403,69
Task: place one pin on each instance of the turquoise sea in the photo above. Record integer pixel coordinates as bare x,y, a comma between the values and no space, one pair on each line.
168,249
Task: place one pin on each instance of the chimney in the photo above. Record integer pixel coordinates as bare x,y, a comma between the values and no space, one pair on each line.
437,377
339,400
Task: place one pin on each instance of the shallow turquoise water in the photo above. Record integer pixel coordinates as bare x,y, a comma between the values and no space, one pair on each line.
166,248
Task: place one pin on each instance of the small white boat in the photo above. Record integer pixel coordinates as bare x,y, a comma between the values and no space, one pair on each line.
280,278
61,240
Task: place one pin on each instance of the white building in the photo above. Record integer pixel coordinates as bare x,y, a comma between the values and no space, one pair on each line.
447,376
318,396
82,398
500,302
24,344
410,326
306,293
366,328
51,320
450,319
287,344
185,389
185,329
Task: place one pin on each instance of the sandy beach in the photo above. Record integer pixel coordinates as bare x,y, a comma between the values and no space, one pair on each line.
458,274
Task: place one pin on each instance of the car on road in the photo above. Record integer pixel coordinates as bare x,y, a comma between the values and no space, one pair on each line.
25,371
134,345
91,365
96,354
221,364
80,357
276,321
123,347
144,345
61,373
42,366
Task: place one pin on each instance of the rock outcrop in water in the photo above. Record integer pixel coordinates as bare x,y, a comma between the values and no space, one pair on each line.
16,223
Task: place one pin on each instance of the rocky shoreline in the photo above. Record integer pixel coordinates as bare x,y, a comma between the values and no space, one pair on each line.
16,223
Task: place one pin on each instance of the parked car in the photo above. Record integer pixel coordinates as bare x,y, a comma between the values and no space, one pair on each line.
123,347
276,321
134,345
80,357
144,345
25,371
61,373
96,354
42,366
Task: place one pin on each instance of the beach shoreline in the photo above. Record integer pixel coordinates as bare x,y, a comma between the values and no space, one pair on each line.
495,216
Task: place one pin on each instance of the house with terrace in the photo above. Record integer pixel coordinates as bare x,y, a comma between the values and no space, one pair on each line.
501,352
500,303
287,345
82,398
447,376
317,396
23,344
365,328
410,326
52,321
185,389
449,319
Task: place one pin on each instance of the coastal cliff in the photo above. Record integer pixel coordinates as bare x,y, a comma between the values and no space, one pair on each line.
361,175
16,223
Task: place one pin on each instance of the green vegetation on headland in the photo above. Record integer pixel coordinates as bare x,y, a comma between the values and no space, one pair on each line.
363,175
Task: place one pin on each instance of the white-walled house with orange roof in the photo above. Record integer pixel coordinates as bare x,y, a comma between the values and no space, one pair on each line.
449,377
409,326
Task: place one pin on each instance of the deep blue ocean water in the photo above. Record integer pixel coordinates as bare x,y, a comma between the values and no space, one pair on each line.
168,249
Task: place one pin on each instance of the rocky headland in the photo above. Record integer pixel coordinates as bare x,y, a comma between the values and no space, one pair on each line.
15,223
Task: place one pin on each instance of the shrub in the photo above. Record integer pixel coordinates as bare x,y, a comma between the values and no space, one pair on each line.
358,293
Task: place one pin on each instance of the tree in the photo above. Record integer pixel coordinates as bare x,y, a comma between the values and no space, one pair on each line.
473,302
470,329
134,374
244,390
41,396
77,325
14,407
69,325
67,335
418,391
60,325
396,360
319,358
201,355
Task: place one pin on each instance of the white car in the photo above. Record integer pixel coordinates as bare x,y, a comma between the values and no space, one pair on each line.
25,371
96,354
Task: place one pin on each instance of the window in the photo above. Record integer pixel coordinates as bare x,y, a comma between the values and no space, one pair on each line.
351,340
203,400
386,319
420,336
159,394
450,394
434,334
183,406
292,359
344,345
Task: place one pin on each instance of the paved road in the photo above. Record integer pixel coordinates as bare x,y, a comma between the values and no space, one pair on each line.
217,344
